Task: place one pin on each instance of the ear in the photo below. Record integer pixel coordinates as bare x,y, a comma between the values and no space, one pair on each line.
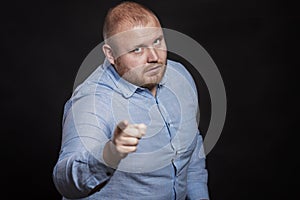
108,52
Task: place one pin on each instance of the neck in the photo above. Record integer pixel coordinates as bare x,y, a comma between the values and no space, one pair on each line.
152,89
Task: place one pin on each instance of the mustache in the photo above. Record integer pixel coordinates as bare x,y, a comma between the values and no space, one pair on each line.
152,66
143,68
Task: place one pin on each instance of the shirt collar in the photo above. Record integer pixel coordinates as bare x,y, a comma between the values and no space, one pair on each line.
164,79
126,88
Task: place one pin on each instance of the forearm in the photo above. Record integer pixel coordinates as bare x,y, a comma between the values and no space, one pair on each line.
77,175
197,174
86,129
197,190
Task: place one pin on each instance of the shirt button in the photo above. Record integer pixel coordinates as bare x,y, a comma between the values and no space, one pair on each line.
108,173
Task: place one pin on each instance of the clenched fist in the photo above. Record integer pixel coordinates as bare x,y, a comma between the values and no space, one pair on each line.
126,136
125,140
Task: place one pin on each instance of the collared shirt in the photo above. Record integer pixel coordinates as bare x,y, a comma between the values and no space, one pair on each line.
169,162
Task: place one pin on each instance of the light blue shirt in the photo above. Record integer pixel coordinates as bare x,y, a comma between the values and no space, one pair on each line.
169,162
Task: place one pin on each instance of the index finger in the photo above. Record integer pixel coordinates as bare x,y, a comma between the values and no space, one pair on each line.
142,128
133,131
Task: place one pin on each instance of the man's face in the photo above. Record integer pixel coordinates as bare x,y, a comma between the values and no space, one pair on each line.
140,55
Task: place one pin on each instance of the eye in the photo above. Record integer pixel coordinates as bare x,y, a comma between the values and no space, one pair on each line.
137,50
157,42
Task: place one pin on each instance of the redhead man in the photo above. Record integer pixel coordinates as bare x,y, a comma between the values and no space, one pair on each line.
130,129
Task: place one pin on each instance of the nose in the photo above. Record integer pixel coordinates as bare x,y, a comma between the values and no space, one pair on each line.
152,55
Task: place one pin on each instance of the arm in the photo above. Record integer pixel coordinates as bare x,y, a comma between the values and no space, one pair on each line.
197,174
88,158
80,167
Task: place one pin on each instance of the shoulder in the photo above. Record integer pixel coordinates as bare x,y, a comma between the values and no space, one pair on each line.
96,87
176,68
94,94
99,82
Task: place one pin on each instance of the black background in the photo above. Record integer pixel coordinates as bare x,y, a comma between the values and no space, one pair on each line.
253,43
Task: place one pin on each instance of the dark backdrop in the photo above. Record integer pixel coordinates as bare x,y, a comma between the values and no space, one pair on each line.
253,43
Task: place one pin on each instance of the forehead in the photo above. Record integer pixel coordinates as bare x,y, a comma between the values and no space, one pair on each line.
138,28
139,36
131,36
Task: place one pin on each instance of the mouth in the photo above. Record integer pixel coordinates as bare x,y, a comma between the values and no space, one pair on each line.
154,70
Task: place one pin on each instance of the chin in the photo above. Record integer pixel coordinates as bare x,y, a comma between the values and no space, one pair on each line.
149,85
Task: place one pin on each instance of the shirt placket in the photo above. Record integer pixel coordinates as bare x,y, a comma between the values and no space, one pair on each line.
168,123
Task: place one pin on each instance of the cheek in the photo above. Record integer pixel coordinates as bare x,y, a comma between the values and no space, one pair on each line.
162,54
135,61
129,63
120,67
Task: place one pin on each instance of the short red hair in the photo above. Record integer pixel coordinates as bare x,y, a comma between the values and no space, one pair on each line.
126,14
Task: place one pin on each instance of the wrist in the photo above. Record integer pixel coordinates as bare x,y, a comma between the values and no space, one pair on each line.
111,156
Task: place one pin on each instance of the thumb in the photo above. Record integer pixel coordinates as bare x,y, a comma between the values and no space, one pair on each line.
122,124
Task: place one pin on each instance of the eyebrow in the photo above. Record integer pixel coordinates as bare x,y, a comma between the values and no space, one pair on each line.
144,45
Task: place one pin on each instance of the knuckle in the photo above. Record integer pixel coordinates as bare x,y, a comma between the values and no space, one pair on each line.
136,141
134,148
120,149
117,142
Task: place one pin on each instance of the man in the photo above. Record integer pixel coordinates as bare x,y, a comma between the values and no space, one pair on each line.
130,129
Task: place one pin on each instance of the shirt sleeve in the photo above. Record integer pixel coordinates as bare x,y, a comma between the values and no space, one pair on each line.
197,174
80,168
